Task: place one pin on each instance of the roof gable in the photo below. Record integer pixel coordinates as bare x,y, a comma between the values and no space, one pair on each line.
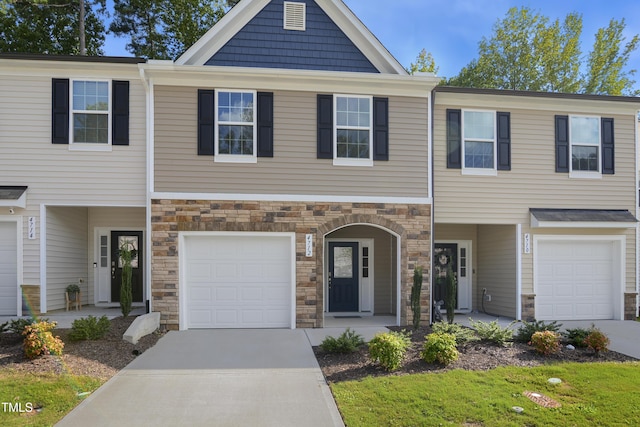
252,35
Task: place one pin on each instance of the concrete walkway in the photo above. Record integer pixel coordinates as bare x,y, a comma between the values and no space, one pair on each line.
216,378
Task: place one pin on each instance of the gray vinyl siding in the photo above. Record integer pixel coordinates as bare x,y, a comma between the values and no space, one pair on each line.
55,174
497,271
532,181
66,253
294,169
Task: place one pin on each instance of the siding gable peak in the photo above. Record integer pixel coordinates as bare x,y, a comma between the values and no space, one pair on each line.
255,34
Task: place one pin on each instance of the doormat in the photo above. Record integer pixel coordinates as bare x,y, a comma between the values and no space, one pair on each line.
347,317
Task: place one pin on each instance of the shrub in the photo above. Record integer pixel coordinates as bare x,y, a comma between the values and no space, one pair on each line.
526,331
577,336
462,335
546,342
89,328
17,325
38,340
4,327
388,349
492,331
441,348
415,296
347,342
597,340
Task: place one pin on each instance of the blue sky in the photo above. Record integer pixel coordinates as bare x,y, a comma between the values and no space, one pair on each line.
451,29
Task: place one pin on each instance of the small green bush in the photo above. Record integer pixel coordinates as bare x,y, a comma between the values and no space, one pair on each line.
493,332
17,325
348,342
526,331
39,341
546,342
462,334
388,349
441,348
577,336
89,328
597,341
4,327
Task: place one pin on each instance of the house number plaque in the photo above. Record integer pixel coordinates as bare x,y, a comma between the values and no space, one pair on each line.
309,244
32,228
527,243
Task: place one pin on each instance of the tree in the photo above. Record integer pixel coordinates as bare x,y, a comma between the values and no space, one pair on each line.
164,29
424,64
51,26
529,52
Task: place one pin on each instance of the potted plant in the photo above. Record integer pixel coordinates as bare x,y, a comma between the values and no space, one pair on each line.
73,290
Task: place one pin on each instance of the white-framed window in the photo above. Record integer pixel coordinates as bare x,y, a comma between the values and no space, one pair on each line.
90,113
353,130
584,142
236,130
479,142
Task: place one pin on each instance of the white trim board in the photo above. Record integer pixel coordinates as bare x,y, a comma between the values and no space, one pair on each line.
291,198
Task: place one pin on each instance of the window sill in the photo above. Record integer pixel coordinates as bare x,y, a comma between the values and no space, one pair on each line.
585,175
353,162
90,147
480,172
231,158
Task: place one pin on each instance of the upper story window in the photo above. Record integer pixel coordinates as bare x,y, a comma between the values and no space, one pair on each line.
91,112
353,130
235,126
584,139
478,141
479,137
585,146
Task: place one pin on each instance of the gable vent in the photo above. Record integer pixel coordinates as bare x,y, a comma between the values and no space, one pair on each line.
295,16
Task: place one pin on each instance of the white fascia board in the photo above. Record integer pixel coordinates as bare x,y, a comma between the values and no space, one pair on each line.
20,202
291,198
361,36
294,80
506,102
223,31
535,223
35,68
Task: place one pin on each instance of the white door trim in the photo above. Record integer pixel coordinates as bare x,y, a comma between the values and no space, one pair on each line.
97,231
17,219
182,261
619,269
365,296
468,245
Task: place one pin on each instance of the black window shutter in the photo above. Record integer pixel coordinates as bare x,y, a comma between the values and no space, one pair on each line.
454,139
206,122
60,111
562,143
380,128
504,141
120,113
325,127
265,124
608,151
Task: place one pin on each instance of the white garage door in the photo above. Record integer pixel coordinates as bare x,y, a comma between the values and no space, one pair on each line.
239,281
8,269
577,280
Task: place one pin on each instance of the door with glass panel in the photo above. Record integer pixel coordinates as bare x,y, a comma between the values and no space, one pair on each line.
343,277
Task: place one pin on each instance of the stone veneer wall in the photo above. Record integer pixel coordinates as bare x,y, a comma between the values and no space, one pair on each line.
528,307
630,308
170,217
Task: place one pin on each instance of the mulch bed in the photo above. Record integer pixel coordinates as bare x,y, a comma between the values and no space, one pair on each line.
476,356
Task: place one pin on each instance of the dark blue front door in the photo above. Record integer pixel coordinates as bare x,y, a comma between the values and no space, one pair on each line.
343,277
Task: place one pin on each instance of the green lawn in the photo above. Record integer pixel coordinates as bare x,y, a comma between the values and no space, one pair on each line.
591,394
56,394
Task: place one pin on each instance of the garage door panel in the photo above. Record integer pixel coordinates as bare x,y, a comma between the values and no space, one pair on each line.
250,281
8,269
575,280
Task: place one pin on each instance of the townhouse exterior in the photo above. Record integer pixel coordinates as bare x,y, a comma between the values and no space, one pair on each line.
287,168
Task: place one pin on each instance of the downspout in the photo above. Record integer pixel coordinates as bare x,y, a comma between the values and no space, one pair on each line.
518,272
431,174
636,128
148,88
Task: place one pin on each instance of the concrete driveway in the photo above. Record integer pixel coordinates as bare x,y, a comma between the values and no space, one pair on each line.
216,378
624,335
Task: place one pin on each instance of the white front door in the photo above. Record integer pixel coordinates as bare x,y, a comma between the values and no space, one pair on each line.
8,269
457,256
